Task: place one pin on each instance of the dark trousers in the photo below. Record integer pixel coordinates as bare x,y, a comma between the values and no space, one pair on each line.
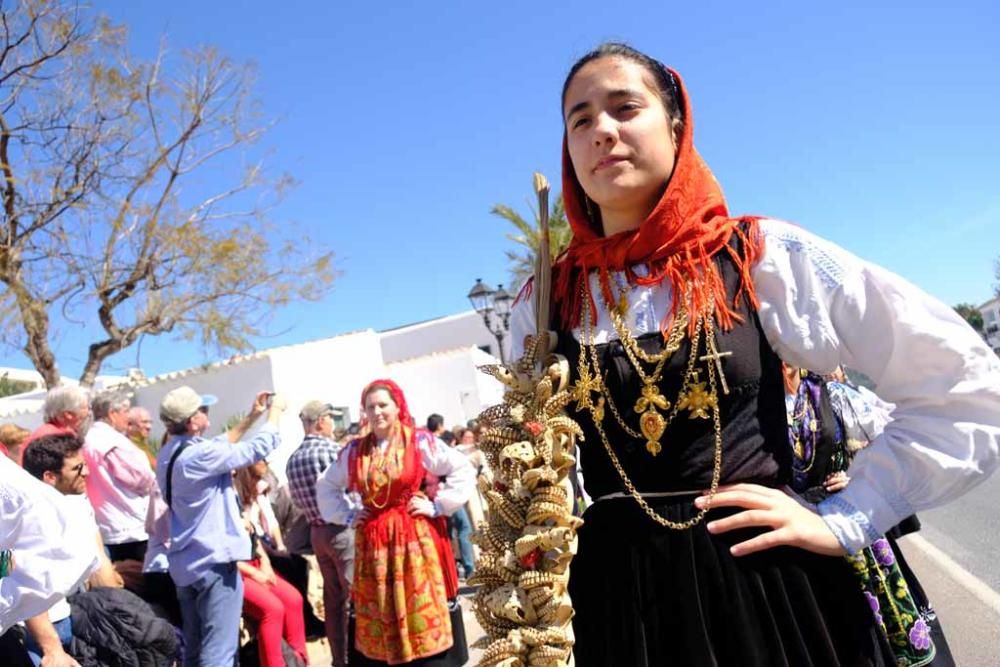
334,549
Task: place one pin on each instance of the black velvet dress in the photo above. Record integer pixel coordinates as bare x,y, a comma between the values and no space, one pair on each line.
648,595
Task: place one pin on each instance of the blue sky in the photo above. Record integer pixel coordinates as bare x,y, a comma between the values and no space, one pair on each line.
875,127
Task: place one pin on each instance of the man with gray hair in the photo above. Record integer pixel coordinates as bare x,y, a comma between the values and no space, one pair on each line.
66,410
120,480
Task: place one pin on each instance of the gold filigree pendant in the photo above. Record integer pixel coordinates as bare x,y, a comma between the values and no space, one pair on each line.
652,424
698,400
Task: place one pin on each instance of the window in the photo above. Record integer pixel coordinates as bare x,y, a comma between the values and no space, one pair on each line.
343,420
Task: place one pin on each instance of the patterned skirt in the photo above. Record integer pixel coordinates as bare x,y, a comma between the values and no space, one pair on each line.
399,595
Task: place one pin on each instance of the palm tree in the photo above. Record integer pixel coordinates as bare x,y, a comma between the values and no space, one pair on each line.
522,260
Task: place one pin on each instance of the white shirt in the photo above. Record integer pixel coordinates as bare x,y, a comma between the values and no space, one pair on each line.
118,484
460,480
821,307
54,551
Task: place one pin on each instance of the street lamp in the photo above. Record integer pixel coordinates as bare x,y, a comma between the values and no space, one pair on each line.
494,307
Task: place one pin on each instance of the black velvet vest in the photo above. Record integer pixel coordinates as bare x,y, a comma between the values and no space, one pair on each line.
754,424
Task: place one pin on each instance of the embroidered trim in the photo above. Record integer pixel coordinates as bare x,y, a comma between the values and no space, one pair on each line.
827,268
840,507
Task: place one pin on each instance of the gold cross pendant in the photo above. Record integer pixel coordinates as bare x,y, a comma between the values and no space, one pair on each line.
717,356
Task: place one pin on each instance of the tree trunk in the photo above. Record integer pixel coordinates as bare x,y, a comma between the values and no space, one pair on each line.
36,328
96,355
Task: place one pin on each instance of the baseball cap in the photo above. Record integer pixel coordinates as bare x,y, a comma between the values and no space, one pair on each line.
313,410
181,403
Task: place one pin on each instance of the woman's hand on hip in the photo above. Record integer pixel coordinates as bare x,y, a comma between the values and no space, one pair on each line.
791,523
422,506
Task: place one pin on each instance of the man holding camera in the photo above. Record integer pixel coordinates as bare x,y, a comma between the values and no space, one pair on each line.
207,536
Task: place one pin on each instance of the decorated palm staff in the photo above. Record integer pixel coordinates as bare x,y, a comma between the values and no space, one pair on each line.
523,572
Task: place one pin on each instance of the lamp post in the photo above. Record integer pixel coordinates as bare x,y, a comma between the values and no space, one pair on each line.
494,307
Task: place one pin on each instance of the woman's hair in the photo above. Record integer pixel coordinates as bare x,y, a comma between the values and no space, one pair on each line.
13,435
245,482
663,80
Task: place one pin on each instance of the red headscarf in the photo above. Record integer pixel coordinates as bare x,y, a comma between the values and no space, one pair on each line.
677,241
396,394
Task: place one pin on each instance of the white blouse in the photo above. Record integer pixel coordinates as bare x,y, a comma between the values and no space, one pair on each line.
53,550
821,307
337,507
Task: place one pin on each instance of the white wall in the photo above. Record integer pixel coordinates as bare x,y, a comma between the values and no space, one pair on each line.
235,385
334,370
991,323
449,384
440,335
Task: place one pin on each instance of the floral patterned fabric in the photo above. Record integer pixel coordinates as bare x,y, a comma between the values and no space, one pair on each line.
399,594
905,623
899,617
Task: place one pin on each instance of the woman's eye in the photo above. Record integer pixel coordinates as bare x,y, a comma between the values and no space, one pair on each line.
580,122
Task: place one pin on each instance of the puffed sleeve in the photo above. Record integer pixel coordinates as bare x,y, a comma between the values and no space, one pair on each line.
335,503
820,307
451,464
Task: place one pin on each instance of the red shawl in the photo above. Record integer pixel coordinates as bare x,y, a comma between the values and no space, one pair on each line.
676,242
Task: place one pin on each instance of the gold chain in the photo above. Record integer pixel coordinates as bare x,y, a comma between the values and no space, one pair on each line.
652,424
596,383
688,371
631,345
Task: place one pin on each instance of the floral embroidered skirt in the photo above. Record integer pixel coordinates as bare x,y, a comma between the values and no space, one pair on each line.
646,595
899,606
400,604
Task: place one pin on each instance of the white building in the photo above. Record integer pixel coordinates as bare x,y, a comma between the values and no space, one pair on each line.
991,322
435,362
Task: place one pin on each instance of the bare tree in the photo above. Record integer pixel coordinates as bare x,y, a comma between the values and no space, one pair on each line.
111,208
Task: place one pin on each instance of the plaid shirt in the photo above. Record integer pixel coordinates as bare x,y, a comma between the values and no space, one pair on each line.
305,465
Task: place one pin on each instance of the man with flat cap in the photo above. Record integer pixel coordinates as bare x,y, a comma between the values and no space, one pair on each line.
207,536
332,544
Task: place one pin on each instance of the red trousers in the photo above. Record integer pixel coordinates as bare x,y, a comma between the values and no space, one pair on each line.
277,608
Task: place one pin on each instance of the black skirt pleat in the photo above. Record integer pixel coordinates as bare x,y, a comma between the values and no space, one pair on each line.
649,596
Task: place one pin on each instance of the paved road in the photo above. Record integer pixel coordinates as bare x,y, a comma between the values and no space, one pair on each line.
971,625
968,530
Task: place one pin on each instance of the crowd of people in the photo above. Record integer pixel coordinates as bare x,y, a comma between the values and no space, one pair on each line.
120,552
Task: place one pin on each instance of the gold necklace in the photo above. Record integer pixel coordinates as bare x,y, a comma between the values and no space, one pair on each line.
652,424
383,476
696,400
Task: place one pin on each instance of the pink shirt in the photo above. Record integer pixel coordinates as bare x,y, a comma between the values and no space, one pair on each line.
119,484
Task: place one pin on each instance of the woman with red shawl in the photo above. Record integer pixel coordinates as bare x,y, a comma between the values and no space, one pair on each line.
405,581
675,318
